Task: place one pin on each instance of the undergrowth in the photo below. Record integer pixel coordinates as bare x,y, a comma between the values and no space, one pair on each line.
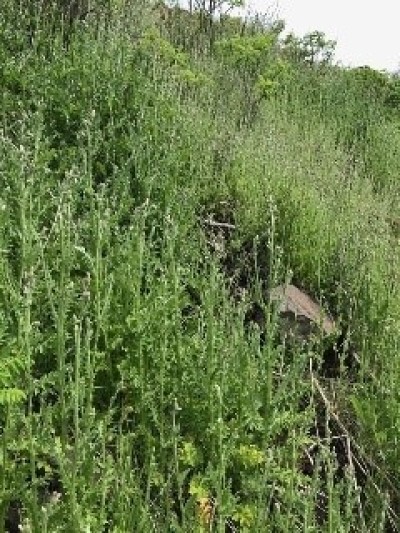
133,397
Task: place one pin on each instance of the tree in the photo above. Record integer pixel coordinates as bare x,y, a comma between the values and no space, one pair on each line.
313,48
209,8
212,6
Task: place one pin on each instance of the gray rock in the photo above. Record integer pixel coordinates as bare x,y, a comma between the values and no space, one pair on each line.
300,317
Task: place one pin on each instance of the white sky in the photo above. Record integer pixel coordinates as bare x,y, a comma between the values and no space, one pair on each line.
367,32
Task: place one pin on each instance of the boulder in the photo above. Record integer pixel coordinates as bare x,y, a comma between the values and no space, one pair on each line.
300,316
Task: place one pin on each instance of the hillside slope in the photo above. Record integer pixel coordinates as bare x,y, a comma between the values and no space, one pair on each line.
159,186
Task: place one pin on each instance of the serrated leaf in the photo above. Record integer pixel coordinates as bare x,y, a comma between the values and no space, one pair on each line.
11,396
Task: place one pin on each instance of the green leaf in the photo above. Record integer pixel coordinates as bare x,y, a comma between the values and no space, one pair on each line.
11,396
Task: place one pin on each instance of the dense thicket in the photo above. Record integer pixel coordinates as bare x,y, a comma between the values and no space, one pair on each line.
158,175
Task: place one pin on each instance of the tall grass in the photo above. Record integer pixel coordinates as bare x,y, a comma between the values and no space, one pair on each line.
133,397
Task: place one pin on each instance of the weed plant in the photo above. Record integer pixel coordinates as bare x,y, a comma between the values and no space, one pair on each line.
132,396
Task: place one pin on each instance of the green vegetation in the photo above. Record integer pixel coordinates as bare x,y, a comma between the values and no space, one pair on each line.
157,176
